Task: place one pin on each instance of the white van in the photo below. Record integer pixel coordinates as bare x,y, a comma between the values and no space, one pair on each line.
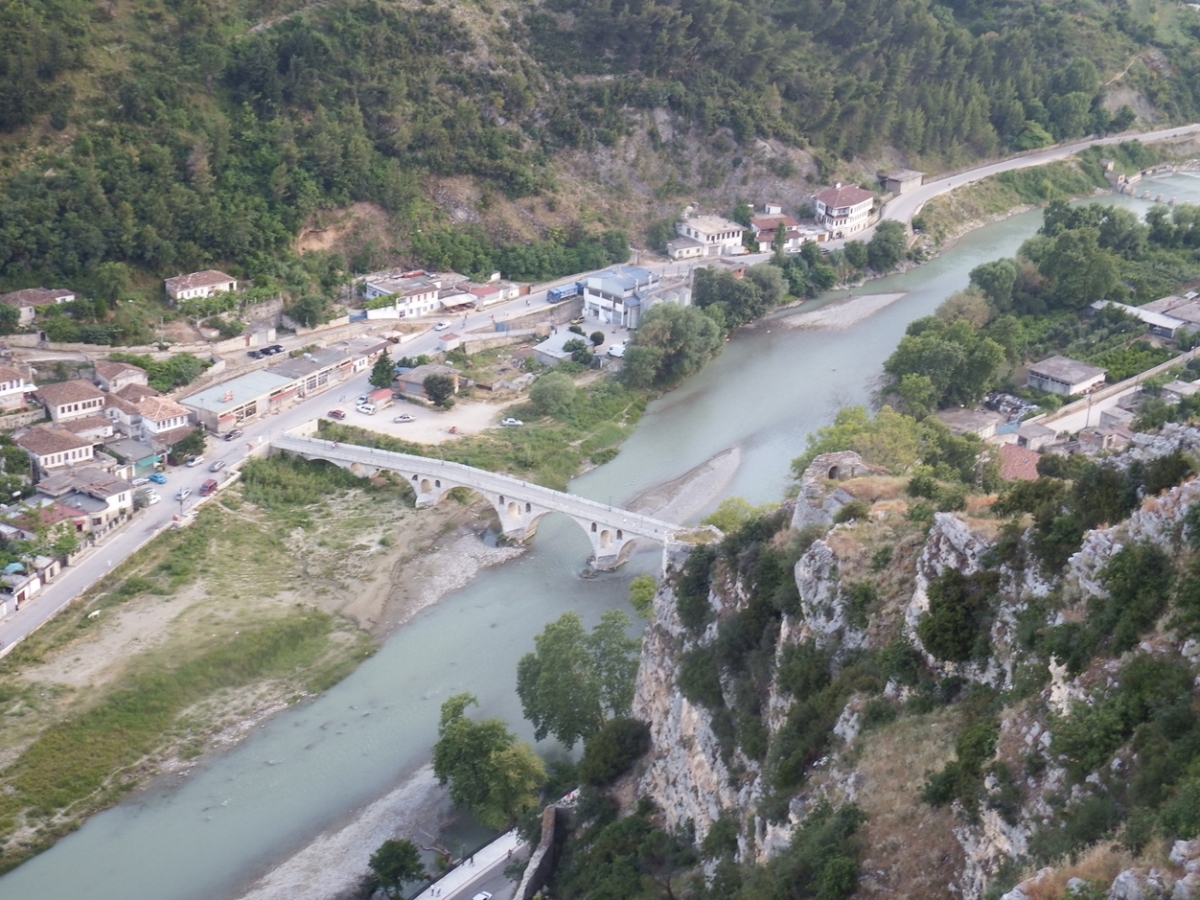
616,351
367,409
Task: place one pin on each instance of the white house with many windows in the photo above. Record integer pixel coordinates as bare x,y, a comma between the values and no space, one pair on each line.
54,448
71,399
843,209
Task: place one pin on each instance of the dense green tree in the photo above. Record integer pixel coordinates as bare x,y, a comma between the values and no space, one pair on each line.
488,770
574,681
394,863
995,280
856,254
552,394
439,389
310,310
887,246
960,362
382,371
10,317
641,595
671,343
609,752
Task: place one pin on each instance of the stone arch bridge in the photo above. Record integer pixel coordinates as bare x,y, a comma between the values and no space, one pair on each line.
518,504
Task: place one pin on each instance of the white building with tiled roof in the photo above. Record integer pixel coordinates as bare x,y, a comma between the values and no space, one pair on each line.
53,448
71,399
112,376
14,389
843,209
199,284
161,414
27,301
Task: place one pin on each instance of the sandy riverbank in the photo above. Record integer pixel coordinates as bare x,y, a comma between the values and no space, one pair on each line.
842,313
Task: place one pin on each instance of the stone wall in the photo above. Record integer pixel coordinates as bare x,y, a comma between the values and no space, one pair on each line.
545,856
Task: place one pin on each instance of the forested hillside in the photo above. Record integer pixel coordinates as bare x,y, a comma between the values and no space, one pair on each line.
169,135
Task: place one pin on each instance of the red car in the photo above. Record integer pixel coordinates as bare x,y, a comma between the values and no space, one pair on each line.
336,414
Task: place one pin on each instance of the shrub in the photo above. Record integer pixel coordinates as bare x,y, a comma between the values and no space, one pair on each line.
691,591
1138,579
855,509
956,627
611,751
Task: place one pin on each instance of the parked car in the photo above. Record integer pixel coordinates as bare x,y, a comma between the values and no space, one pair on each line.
336,414
441,326
217,466
158,478
255,354
183,493
616,351
510,422
405,417
234,435
483,895
194,461
152,498
367,409
272,350
362,398
578,320
209,487
138,482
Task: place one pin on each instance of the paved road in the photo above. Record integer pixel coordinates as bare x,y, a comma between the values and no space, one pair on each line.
906,206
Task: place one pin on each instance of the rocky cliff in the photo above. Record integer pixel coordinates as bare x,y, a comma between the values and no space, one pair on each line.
1019,740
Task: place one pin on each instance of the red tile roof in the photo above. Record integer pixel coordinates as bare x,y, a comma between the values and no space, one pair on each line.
846,195
77,391
1018,463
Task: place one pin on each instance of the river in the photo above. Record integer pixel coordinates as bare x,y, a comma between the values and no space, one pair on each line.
313,766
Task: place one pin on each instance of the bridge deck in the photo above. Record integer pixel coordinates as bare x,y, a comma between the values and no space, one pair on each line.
491,482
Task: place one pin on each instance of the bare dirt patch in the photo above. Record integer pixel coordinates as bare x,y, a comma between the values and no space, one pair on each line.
910,848
101,653
335,229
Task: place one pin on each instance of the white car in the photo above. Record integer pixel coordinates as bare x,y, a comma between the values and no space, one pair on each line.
483,895
510,422
138,482
152,498
616,351
183,493
366,409
195,461
405,417
441,326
